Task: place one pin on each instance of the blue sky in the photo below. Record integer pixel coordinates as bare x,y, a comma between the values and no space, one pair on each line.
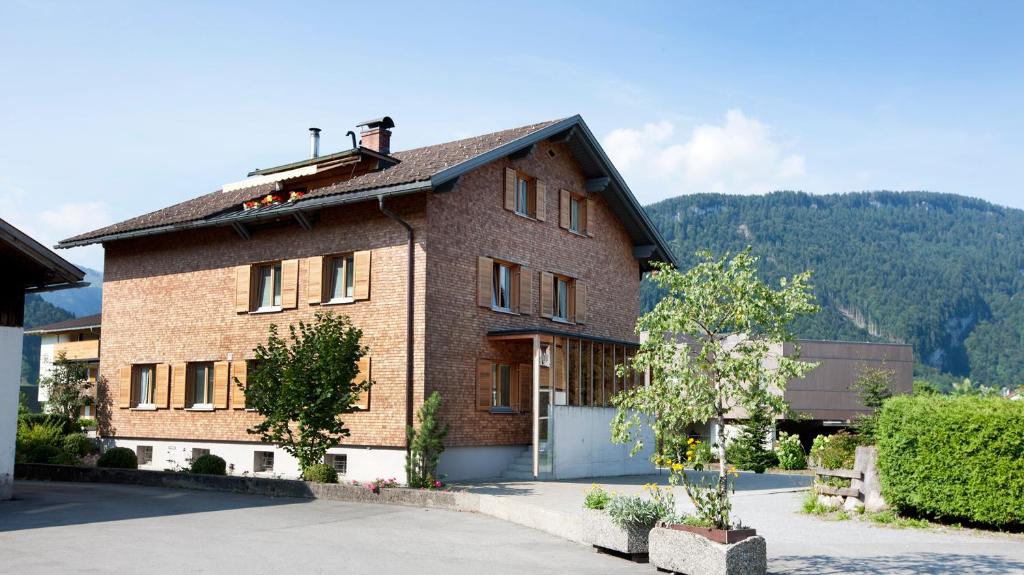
112,109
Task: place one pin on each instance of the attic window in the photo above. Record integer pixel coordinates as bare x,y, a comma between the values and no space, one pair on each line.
273,199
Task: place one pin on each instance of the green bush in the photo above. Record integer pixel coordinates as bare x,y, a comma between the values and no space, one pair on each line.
66,425
320,473
790,453
597,498
118,458
77,445
38,440
954,458
834,451
635,511
86,422
209,464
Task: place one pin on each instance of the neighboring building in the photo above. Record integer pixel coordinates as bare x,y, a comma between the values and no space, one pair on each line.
29,267
502,271
823,401
79,340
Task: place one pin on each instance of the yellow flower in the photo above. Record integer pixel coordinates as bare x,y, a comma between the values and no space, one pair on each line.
677,467
690,441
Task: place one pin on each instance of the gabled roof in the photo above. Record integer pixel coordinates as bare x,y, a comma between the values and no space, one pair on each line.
33,265
416,170
73,324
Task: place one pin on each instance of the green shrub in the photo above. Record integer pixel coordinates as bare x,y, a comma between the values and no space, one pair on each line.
954,458
86,422
66,425
209,464
790,453
639,512
320,473
597,498
38,440
834,451
77,445
118,458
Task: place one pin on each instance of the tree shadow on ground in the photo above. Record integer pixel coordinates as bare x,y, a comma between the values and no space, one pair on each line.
907,563
38,504
497,487
745,482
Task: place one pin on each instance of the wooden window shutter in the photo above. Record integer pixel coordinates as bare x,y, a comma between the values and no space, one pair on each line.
588,216
581,301
483,385
510,189
124,387
547,295
290,284
361,275
484,269
220,385
178,372
525,387
315,285
243,281
239,371
525,290
163,380
363,401
563,208
541,212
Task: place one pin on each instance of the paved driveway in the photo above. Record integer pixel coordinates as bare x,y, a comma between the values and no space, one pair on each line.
803,545
95,528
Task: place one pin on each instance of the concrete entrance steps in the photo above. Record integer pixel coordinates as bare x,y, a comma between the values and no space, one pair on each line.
521,467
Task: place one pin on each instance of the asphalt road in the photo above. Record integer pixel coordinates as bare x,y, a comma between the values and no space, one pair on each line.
95,528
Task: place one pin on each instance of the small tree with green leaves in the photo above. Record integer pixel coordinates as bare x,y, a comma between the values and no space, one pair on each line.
874,386
425,445
67,385
750,448
710,336
303,385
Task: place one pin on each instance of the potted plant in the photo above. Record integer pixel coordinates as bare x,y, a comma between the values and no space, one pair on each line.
621,524
710,339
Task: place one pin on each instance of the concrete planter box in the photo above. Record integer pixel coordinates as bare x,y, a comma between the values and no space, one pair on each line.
679,551
603,533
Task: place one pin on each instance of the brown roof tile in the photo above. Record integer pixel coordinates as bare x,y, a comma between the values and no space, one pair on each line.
415,165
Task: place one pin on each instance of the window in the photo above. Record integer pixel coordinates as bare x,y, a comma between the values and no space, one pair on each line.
198,452
561,298
523,195
501,386
263,462
200,386
337,461
144,453
269,294
342,270
501,293
574,214
144,385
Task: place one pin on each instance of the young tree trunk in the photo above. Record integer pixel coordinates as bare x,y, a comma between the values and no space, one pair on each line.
723,485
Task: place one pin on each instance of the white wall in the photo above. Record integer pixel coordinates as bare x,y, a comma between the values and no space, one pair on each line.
464,463
583,445
10,380
46,343
364,464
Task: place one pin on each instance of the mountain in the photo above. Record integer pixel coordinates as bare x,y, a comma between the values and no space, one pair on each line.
941,272
80,301
37,312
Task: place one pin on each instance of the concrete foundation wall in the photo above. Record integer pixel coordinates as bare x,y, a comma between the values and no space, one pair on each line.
364,464
10,380
464,463
582,445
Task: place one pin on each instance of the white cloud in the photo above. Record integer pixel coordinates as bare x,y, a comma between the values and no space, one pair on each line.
738,156
50,223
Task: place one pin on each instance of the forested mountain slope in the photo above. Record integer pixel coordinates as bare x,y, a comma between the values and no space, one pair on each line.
942,272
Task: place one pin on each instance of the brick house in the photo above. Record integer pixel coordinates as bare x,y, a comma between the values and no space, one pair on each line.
502,271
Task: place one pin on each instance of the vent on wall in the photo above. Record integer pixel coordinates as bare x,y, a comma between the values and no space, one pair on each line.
552,153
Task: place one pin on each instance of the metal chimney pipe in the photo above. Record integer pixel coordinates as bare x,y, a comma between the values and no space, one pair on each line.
314,142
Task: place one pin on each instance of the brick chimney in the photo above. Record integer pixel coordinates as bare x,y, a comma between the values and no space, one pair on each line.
376,135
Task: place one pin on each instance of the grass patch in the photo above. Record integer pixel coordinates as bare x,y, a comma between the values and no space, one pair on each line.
890,518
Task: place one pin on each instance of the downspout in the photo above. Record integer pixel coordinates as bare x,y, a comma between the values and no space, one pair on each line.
410,308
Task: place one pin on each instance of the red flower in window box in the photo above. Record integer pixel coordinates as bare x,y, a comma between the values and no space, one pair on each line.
295,195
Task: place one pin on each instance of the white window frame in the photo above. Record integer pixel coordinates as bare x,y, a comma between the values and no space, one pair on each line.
522,195
501,279
192,380
574,214
498,370
332,459
137,388
275,287
138,454
561,299
348,276
259,461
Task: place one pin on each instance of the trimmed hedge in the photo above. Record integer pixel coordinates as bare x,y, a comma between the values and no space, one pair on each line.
320,473
119,458
954,458
209,464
